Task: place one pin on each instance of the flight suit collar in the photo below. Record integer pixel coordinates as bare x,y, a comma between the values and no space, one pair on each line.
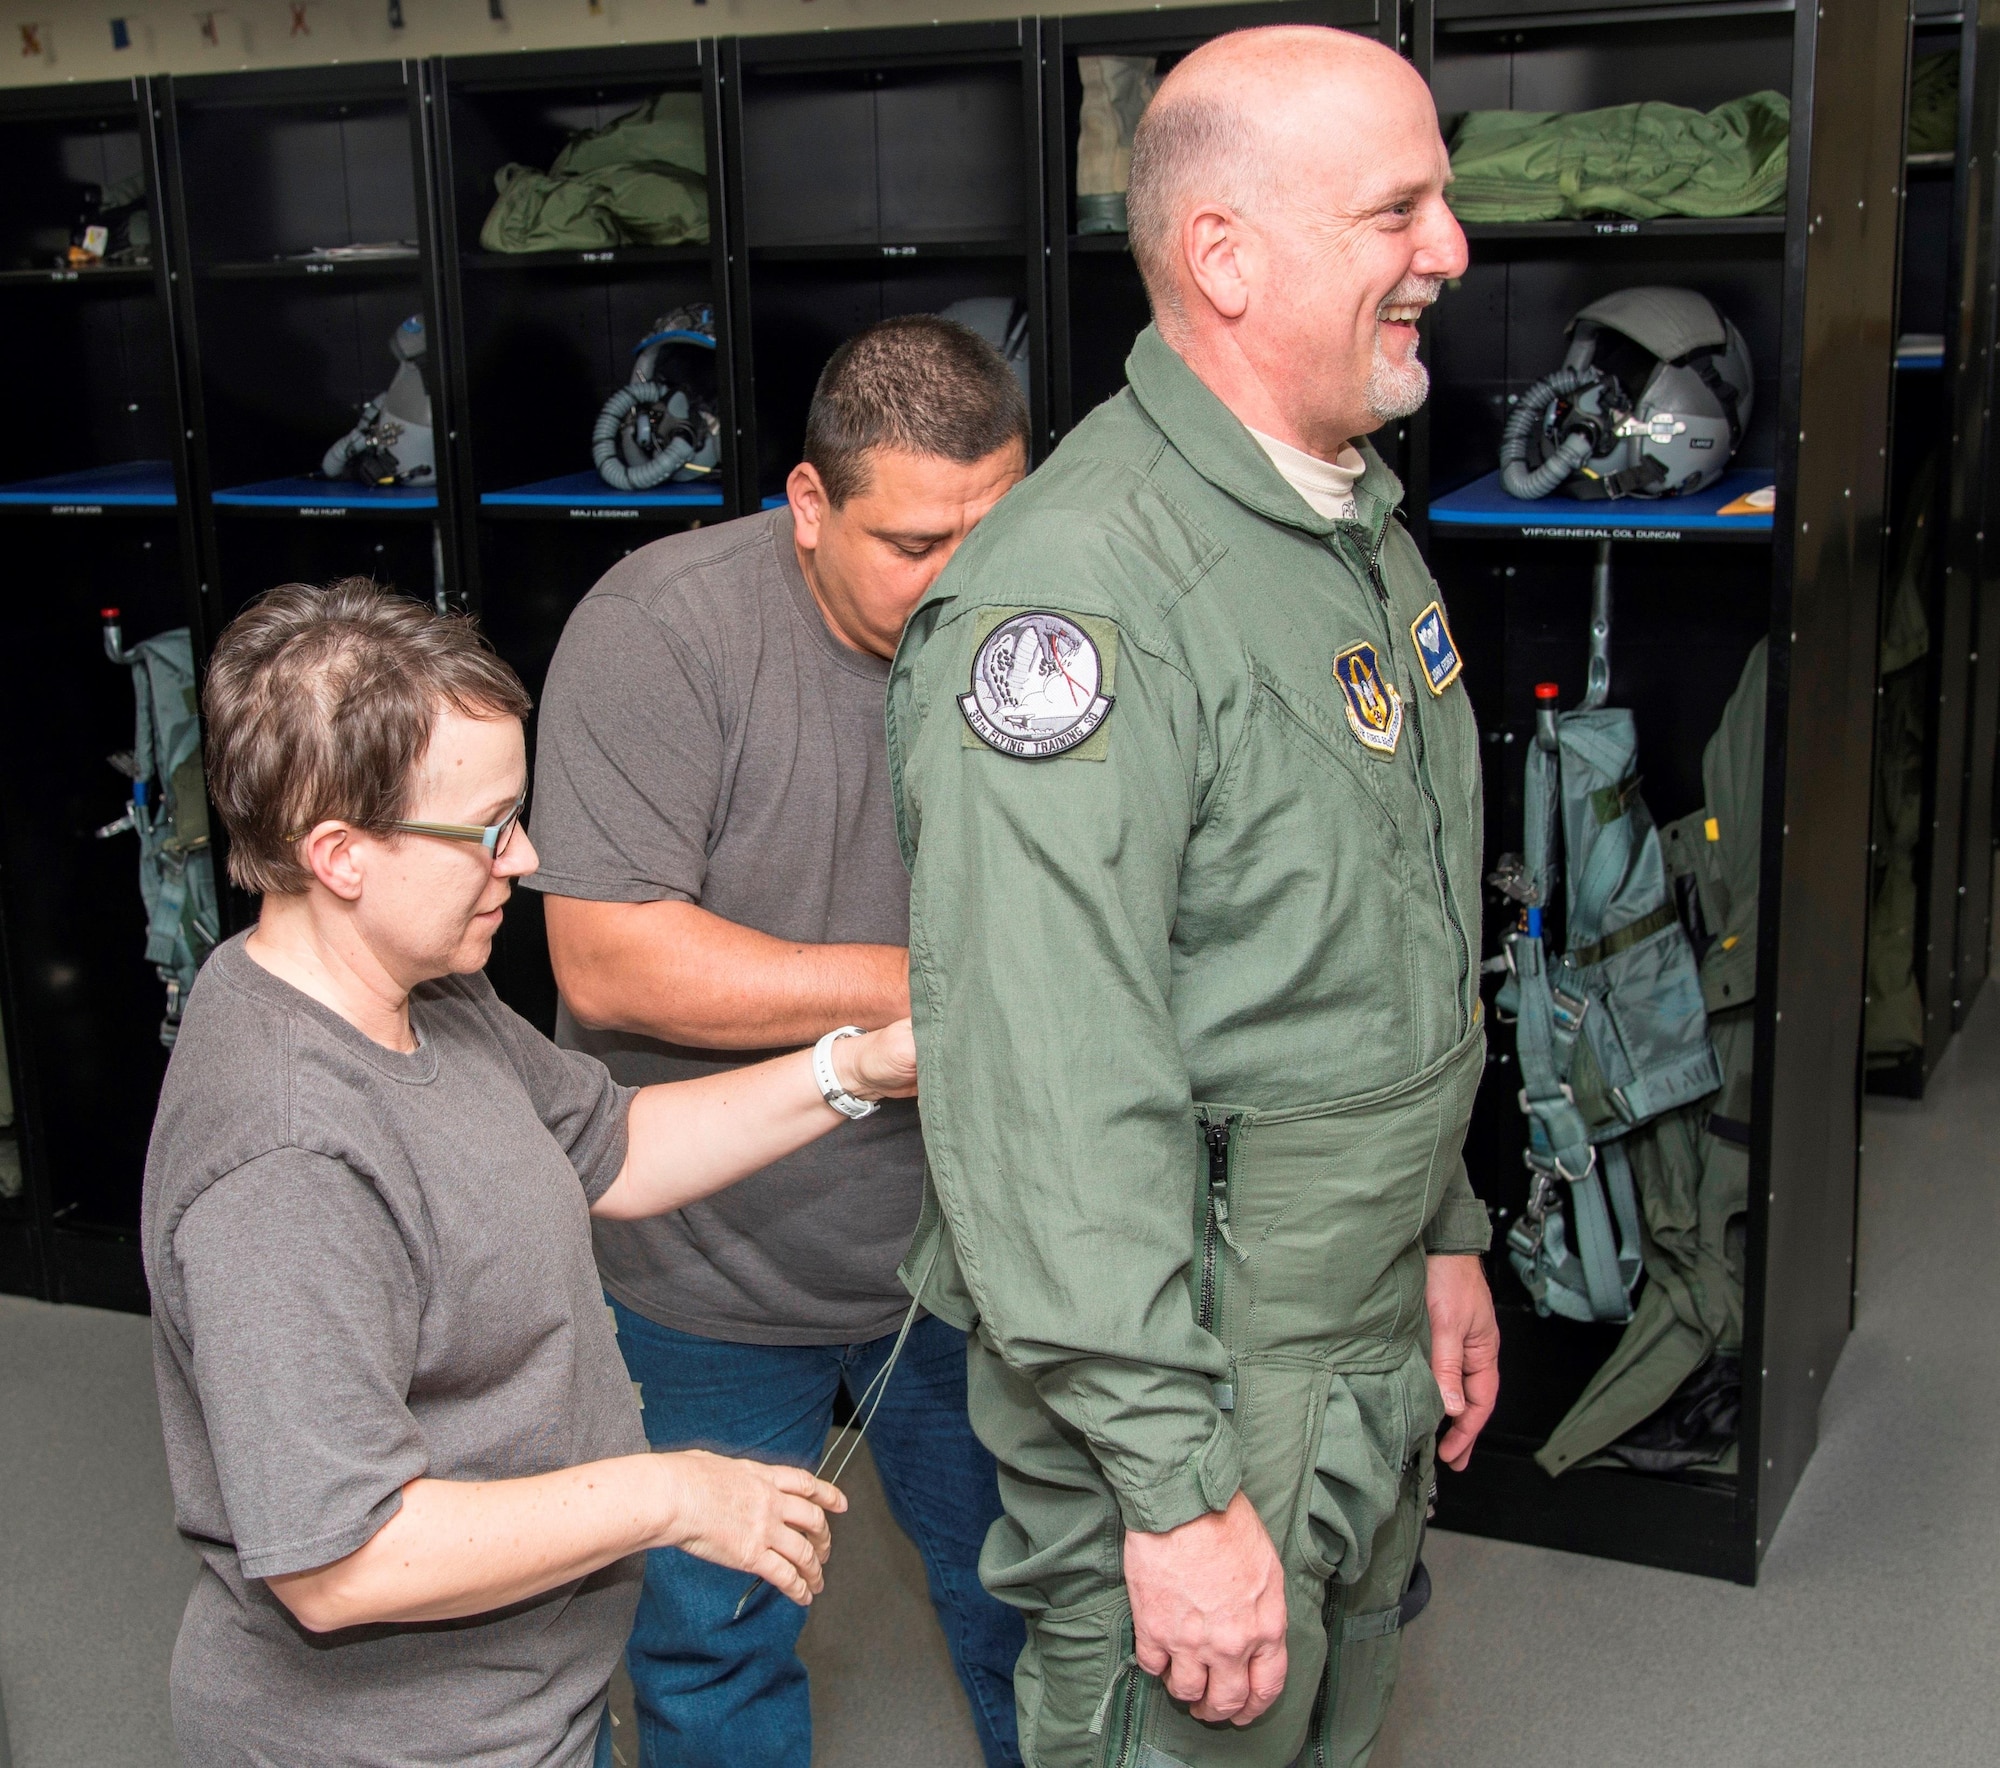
1214,441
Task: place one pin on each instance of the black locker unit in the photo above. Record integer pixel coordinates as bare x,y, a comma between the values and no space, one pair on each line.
1812,290
1097,304
540,340
272,179
93,509
1936,470
872,173
1976,508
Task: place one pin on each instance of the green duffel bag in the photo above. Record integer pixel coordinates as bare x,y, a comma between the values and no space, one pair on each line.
642,180
1643,161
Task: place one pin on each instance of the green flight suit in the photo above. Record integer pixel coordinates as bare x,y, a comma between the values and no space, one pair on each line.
1197,1009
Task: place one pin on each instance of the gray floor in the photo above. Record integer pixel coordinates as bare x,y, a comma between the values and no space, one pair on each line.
1872,1638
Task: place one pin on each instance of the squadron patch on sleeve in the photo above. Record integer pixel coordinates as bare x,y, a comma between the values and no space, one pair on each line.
1373,706
1037,686
1437,651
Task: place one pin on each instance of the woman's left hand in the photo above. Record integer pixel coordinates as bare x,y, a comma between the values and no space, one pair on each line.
878,1064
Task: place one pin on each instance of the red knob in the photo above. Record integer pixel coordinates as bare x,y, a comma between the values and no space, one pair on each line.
107,613
1547,690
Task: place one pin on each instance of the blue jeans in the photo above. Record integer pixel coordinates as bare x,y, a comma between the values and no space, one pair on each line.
713,1692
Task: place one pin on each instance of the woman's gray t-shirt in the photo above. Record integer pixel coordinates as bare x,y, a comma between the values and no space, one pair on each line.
368,1267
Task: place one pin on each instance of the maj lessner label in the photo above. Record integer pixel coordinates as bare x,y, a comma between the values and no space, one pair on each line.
1034,687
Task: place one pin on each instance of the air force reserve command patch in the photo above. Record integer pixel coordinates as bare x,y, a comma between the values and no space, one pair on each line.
1038,682
1374,707
1436,650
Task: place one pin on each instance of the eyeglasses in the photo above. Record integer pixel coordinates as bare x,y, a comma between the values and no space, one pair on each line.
493,836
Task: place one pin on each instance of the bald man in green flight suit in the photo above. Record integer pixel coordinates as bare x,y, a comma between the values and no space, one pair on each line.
1190,790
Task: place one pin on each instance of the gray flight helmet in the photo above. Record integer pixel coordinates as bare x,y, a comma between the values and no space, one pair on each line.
1652,400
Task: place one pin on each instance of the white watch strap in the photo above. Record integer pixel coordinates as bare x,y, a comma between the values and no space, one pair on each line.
830,1088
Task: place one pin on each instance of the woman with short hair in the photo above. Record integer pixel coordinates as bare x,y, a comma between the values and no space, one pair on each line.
400,1433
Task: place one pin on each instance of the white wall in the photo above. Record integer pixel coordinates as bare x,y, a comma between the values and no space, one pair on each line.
76,37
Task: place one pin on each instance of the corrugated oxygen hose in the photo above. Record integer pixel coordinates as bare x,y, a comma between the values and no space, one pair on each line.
1517,478
604,442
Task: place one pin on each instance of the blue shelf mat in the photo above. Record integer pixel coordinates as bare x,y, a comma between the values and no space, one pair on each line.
137,484
771,503
1920,360
1482,504
588,491
324,494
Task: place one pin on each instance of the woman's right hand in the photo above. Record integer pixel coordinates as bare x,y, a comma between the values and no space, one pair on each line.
755,1518
878,1064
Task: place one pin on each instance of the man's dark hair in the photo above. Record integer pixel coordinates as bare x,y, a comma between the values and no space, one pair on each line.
921,384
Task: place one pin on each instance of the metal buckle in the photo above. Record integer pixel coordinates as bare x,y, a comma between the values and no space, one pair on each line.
1543,1166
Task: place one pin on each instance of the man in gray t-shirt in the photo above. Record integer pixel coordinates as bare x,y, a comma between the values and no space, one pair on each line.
716,822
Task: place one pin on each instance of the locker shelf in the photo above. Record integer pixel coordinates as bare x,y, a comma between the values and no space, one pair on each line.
1619,227
327,497
863,251
1483,508
587,495
403,265
605,257
138,484
125,276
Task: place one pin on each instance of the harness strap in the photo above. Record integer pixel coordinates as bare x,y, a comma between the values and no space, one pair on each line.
1625,938
1703,364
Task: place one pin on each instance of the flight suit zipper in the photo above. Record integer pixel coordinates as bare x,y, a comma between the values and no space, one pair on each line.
1124,1704
1319,1725
1215,1132
1433,810
1215,1235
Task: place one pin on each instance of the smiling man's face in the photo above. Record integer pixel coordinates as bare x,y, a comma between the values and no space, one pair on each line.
1289,215
1360,242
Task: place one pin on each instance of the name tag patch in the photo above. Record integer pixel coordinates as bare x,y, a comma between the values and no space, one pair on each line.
1036,687
1373,706
1437,650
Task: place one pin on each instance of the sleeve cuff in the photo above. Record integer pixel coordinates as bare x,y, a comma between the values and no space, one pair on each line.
281,1558
1204,1482
1460,1226
626,890
600,1167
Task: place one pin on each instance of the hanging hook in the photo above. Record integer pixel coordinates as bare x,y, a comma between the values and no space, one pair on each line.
114,636
1597,690
1547,693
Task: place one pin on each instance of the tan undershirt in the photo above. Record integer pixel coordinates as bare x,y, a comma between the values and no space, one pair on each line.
1326,485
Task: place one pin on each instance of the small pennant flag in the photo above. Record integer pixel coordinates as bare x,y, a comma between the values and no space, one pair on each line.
121,34
496,10
300,28
31,40
205,23
395,15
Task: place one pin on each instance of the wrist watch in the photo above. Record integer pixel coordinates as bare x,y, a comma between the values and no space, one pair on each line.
830,1088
